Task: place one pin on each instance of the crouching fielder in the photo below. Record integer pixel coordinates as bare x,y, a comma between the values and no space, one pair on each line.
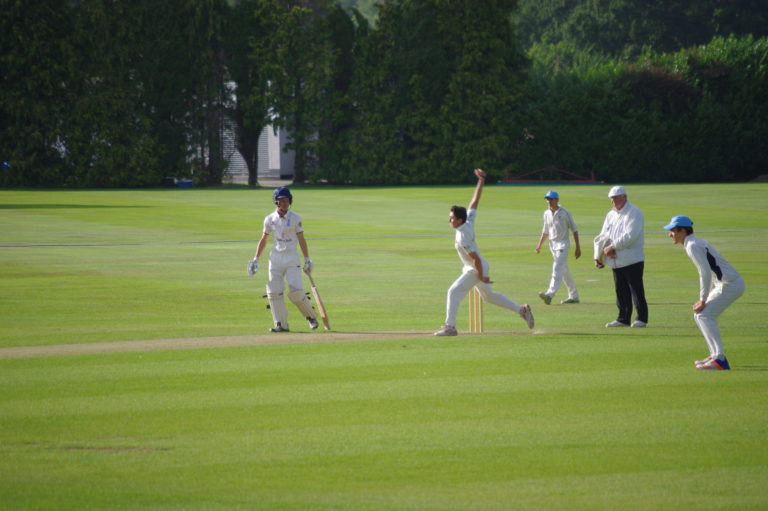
719,286
287,231
475,271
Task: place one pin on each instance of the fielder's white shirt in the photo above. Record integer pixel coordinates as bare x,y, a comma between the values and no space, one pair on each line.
465,241
713,269
626,230
284,231
556,225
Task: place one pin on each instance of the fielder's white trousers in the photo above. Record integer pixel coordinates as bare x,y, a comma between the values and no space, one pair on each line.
720,297
562,274
284,267
462,286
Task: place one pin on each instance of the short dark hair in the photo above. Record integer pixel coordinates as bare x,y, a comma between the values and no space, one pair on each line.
688,230
459,212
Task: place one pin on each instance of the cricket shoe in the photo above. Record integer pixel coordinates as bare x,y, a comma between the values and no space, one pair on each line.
639,324
545,298
715,364
446,331
527,315
703,361
570,300
615,323
313,324
279,328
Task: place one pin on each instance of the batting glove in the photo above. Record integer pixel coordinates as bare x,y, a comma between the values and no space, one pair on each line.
308,265
253,266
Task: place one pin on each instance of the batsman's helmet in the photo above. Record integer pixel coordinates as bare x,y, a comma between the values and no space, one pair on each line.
281,193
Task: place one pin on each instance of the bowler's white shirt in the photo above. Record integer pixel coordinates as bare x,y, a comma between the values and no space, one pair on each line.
284,231
556,225
626,230
713,269
465,240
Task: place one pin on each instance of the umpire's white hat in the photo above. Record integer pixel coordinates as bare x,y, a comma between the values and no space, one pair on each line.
616,191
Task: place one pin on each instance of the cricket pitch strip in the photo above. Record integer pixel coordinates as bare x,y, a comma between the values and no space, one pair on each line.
190,343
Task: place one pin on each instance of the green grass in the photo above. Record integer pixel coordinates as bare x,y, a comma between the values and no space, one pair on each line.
573,417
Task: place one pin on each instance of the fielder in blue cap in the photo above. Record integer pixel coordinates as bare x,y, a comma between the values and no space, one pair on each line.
679,221
719,286
557,222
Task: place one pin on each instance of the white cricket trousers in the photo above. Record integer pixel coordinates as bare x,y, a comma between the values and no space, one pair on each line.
284,267
462,286
719,299
562,274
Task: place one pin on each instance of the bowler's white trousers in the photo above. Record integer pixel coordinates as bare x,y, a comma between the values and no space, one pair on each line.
720,297
462,286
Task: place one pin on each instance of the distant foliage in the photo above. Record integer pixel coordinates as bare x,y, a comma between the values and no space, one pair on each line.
433,88
108,94
629,28
699,114
122,93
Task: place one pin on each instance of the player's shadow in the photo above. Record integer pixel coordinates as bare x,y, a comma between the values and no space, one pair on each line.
753,368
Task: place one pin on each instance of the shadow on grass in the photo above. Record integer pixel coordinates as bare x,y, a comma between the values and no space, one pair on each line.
753,368
617,332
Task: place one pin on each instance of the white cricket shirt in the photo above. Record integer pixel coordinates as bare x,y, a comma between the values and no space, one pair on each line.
465,240
626,230
556,225
713,269
284,231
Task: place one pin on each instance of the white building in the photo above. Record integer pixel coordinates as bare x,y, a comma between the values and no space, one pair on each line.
273,161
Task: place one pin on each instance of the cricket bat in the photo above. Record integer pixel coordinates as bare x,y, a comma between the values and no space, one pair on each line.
319,302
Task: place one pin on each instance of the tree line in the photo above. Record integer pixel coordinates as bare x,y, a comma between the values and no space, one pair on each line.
117,93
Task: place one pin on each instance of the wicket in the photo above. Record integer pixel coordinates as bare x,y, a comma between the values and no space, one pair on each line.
475,312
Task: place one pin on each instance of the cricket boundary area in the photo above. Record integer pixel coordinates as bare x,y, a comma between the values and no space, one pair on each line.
191,343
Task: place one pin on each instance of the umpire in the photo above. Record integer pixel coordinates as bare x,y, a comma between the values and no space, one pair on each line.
624,230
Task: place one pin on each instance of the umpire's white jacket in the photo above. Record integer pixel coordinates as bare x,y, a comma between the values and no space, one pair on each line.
626,230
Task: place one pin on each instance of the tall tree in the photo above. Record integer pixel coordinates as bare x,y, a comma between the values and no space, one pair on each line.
110,92
488,73
176,65
296,57
106,138
435,86
339,109
374,151
248,28
35,68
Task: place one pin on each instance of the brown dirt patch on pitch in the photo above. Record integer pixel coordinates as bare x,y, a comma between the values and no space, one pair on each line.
191,343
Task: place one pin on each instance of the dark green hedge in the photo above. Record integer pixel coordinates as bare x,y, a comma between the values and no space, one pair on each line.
696,115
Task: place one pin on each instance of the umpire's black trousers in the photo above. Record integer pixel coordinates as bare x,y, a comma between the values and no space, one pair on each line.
629,289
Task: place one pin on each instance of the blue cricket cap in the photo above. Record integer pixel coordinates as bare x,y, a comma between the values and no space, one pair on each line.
551,195
679,221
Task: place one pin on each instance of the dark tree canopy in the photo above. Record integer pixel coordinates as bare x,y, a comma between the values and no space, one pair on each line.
98,93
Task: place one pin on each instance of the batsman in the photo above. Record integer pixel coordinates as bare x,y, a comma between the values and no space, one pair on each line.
284,265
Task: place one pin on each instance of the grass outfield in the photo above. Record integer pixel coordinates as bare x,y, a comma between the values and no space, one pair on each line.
572,416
